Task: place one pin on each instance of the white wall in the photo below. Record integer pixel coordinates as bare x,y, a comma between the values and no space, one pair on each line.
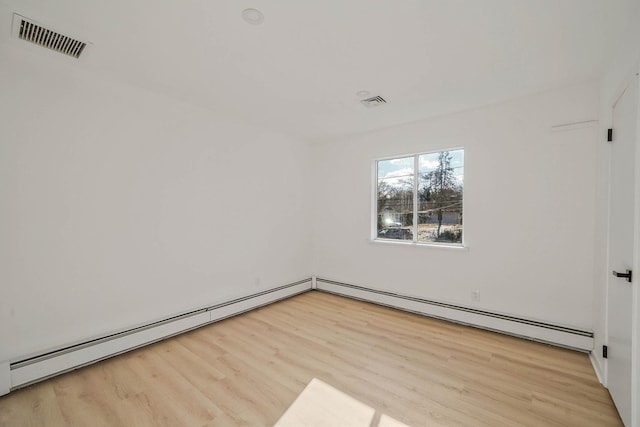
119,207
529,210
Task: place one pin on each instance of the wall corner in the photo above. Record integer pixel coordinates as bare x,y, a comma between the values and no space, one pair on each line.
5,378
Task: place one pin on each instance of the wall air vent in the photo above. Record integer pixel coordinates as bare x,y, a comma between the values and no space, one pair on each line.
373,101
30,31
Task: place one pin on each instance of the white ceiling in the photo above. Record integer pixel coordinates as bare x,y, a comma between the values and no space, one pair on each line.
300,70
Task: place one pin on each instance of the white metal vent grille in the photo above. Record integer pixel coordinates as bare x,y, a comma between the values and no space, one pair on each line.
37,34
373,101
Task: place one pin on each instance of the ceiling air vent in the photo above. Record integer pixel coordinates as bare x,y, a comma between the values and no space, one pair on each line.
373,101
30,31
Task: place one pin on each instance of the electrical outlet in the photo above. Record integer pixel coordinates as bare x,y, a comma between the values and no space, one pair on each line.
475,295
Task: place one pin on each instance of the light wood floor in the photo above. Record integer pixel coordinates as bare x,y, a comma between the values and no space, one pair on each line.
246,371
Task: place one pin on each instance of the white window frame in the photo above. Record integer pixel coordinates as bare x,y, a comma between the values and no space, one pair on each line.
374,203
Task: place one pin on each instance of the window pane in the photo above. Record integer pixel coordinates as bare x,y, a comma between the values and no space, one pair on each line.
395,198
440,189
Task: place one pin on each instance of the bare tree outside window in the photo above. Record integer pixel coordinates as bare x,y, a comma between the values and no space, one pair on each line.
419,198
440,197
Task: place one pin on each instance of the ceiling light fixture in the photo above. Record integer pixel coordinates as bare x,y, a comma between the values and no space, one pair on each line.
363,93
253,16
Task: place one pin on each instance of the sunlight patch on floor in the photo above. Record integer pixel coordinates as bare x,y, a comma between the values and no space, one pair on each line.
319,404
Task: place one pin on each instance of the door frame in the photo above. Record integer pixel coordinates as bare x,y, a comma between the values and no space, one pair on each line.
635,341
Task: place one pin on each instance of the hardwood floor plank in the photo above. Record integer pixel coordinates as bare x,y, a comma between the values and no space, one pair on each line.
38,401
247,370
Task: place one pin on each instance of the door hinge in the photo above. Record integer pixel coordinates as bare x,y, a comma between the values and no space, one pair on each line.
610,135
604,351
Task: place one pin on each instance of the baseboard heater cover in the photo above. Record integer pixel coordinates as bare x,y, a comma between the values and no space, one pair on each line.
548,333
37,368
5,378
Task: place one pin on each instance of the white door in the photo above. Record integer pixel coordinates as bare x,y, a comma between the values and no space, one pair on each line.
621,235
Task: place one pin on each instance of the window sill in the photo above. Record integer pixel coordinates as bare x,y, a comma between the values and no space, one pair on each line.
446,246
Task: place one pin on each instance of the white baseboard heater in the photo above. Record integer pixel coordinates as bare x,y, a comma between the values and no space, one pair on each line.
562,336
27,371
